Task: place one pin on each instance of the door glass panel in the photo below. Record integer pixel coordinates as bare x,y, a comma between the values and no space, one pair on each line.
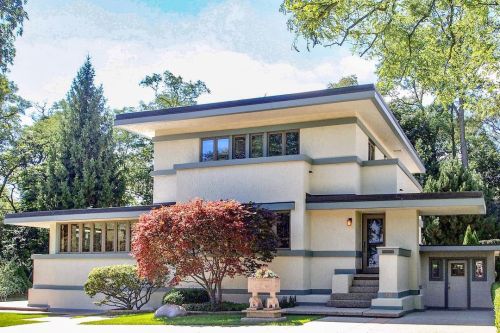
275,144
110,237
239,147
457,269
75,237
256,145
122,237
207,150
223,149
63,240
374,238
86,237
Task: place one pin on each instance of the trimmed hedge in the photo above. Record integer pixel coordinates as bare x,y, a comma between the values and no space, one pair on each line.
186,296
495,294
207,307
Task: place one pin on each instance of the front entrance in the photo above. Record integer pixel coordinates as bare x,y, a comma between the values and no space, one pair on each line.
457,284
373,237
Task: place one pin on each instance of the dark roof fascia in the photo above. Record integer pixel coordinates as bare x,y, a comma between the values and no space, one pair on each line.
247,102
458,248
87,210
391,197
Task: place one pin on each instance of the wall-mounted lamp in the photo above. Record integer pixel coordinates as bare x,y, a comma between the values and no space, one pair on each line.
349,221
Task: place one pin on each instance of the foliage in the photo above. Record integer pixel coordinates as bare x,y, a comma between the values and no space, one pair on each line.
186,295
489,242
288,302
446,50
207,306
83,168
12,16
14,319
203,241
265,273
172,91
121,286
346,81
495,294
13,279
447,230
197,320
470,237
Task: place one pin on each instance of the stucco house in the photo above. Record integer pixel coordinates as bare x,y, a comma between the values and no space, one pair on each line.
337,167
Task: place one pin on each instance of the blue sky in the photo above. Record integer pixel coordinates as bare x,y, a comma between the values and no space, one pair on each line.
240,48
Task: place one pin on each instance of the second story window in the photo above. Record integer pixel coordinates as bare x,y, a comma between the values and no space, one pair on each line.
283,143
239,147
256,145
214,149
371,150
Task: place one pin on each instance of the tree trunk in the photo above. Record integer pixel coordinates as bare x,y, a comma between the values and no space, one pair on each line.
463,142
452,134
219,296
213,299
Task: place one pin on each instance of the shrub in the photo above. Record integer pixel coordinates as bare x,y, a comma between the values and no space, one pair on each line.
288,302
121,286
186,295
495,293
206,307
13,279
493,241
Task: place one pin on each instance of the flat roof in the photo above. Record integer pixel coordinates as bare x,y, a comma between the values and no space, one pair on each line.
458,248
145,120
444,203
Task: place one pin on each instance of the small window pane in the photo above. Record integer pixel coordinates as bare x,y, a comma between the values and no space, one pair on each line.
371,150
239,143
292,143
86,237
75,238
207,150
436,270
223,149
283,230
122,237
479,267
63,238
275,144
257,145
110,237
457,269
98,237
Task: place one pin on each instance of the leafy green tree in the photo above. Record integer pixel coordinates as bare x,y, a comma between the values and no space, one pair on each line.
12,16
444,49
172,91
470,237
346,81
84,171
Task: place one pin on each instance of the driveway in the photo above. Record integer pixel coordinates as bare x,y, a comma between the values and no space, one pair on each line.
418,322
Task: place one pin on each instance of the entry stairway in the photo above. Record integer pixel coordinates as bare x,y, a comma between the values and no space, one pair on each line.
364,288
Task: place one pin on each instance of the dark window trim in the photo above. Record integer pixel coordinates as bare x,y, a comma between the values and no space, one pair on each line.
485,269
289,229
441,267
216,147
371,150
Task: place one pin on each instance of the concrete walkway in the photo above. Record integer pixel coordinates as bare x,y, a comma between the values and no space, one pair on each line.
418,322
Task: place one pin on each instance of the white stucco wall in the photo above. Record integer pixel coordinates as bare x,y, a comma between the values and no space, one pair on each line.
328,141
379,179
168,153
342,178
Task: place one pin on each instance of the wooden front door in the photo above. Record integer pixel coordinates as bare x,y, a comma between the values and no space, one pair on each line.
457,284
373,237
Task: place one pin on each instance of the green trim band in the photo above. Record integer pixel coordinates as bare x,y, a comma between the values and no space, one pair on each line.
325,254
399,294
394,251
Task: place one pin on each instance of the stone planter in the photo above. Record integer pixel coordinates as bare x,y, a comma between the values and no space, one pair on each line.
256,311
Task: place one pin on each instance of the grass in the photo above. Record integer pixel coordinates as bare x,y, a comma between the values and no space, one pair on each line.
13,319
494,286
196,320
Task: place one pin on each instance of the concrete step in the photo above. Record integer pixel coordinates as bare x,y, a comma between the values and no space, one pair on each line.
364,289
364,283
366,277
354,296
349,303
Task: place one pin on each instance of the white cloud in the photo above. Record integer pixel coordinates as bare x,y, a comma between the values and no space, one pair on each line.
238,51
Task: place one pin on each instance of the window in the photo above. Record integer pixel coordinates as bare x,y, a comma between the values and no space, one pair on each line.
435,269
256,145
457,269
214,149
239,147
86,237
275,144
282,229
371,150
63,239
110,237
479,269
98,237
283,143
75,238
122,237
292,143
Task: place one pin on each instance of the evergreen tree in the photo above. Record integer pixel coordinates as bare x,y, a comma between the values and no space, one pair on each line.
88,174
470,237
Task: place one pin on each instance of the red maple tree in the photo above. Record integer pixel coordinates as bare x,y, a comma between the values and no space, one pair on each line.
203,241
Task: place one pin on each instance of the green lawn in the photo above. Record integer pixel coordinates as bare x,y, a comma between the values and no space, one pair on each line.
196,320
13,319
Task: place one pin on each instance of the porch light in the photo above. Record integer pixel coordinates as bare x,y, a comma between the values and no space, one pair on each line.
349,221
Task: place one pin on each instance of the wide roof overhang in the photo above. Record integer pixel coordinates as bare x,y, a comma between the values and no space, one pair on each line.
361,102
